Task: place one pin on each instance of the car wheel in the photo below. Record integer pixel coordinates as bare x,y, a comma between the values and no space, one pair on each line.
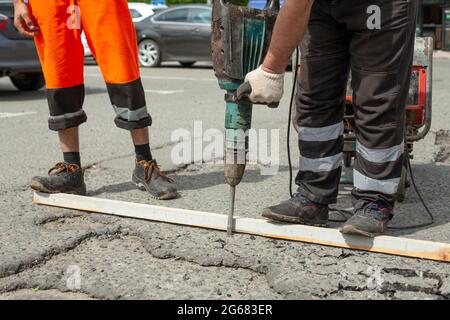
28,81
187,63
149,53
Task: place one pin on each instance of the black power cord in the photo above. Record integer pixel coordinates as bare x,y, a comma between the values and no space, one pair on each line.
419,194
345,213
291,103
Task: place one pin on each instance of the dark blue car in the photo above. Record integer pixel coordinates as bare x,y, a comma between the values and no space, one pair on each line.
18,57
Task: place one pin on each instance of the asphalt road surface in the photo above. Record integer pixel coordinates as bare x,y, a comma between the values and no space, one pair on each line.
50,253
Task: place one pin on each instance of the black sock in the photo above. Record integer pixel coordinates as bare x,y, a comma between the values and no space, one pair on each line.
72,158
143,152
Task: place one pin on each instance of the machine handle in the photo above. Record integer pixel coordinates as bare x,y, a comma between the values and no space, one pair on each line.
243,92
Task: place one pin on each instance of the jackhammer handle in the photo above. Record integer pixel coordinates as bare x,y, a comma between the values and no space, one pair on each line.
243,93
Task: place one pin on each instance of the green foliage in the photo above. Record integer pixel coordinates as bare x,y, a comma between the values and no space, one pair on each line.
174,2
146,1
240,2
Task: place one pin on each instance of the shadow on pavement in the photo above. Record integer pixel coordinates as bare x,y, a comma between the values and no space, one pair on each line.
113,188
431,179
188,182
433,182
179,66
205,180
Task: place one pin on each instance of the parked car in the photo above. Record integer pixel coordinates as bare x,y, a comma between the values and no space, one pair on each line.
180,33
18,56
138,10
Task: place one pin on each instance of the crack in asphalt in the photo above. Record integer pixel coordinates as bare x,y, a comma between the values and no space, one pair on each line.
115,231
236,261
22,266
442,140
409,273
70,217
390,288
214,263
116,234
91,165
129,154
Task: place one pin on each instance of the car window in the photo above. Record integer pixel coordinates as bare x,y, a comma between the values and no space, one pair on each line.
177,15
135,13
199,15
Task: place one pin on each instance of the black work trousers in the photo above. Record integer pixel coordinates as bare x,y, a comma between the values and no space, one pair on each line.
374,40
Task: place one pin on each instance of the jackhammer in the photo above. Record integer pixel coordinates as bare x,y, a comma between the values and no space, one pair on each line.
240,40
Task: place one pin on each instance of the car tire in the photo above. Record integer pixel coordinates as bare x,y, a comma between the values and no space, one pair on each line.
187,63
149,53
28,81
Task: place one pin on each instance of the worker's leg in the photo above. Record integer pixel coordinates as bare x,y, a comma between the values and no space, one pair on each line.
112,38
320,103
381,69
61,55
320,109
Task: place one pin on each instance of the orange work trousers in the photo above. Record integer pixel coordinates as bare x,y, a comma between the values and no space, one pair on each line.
112,38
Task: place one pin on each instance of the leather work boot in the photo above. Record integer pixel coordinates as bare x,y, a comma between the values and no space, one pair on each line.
370,219
300,210
62,178
148,176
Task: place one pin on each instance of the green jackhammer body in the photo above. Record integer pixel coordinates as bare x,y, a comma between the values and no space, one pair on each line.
240,39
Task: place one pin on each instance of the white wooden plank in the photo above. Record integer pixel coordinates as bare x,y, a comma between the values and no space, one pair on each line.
324,236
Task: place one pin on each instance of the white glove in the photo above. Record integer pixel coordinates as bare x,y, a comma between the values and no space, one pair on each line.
267,88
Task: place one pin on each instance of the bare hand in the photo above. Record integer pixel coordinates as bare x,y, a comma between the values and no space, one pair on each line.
23,21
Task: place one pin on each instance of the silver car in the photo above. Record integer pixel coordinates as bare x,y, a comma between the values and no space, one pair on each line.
181,33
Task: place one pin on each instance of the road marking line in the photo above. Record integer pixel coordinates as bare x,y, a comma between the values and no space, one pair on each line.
17,114
94,75
164,92
261,227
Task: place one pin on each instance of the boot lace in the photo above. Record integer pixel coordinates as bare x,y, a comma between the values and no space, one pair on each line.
62,167
151,167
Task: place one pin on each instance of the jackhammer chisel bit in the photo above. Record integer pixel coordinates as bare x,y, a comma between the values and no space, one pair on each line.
240,39
230,224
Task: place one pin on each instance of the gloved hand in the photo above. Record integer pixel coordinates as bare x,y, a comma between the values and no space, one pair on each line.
262,87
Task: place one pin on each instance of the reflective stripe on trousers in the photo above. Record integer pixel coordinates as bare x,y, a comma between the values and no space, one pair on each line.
378,169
